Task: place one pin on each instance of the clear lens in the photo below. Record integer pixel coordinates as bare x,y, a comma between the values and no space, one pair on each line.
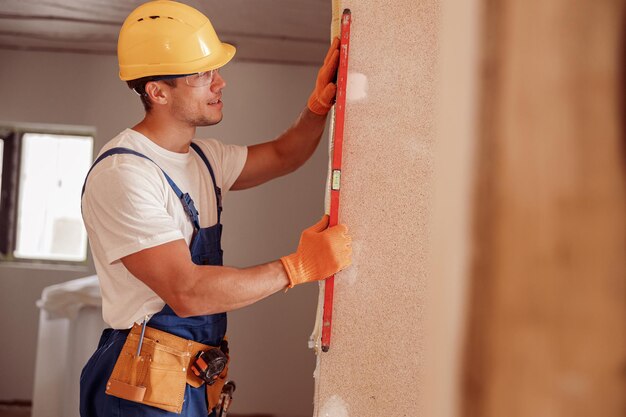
200,79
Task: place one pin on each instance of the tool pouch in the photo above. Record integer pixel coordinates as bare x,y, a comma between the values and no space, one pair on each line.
159,375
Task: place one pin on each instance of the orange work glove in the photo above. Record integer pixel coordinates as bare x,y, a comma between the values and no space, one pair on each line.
322,251
323,97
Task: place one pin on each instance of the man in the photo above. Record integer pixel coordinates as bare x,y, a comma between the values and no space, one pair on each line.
152,206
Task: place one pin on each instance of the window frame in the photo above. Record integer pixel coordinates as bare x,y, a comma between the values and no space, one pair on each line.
11,134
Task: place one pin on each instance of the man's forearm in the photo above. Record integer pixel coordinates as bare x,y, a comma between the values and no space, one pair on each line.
216,289
192,290
297,144
284,154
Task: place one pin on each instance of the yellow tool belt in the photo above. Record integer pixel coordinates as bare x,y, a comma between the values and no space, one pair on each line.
159,375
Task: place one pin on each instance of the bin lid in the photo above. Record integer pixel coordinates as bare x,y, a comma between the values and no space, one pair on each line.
64,300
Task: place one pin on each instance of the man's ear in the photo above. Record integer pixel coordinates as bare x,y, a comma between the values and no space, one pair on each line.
156,93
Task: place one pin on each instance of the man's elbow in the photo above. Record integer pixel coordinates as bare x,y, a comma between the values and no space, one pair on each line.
189,305
181,308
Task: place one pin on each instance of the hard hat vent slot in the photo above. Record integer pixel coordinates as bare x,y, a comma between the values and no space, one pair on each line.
141,19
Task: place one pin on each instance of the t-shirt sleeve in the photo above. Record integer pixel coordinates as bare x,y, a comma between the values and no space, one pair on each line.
231,159
124,208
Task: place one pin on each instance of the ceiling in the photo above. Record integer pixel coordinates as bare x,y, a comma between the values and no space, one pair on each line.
273,31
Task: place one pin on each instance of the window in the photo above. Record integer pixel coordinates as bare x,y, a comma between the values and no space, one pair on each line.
43,171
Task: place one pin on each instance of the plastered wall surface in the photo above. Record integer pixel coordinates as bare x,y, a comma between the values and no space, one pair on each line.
373,367
269,339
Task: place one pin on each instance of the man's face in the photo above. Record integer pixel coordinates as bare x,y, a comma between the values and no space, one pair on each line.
198,106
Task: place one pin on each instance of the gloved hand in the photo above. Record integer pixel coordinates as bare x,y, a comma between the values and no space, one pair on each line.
322,251
323,96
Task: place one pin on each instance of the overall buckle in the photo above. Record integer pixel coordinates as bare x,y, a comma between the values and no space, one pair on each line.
189,206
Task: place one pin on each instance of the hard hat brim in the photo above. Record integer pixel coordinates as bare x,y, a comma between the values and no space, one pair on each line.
217,59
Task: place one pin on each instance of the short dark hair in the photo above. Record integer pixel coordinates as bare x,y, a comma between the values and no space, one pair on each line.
139,86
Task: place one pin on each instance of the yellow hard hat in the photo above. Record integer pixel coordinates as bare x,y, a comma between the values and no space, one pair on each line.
164,37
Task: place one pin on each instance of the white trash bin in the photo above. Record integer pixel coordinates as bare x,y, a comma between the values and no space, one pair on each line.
70,324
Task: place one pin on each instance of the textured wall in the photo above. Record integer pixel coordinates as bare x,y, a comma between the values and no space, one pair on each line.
530,215
373,367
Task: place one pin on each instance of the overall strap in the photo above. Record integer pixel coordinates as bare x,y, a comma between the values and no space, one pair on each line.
185,198
218,190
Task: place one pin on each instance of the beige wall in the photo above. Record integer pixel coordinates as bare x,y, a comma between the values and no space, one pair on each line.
269,340
374,365
529,272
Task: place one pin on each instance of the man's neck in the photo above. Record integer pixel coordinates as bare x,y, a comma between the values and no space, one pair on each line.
167,134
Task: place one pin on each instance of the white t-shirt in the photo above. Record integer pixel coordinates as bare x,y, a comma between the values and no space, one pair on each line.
129,206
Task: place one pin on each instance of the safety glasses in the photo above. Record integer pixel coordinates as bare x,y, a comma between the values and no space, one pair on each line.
198,79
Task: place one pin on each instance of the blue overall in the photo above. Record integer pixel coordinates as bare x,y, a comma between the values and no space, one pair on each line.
210,329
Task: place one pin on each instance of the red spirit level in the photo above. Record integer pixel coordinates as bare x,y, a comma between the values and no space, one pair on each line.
340,111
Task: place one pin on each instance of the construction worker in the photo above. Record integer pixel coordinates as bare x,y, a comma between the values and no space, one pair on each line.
152,205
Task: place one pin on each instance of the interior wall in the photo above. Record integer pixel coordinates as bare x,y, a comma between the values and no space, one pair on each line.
269,339
375,363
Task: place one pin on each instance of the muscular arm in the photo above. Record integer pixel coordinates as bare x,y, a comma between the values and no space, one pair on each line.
192,290
290,150
284,154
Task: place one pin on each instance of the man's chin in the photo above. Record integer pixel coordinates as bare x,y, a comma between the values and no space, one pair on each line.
208,122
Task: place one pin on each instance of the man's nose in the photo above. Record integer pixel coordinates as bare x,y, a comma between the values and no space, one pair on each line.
218,82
